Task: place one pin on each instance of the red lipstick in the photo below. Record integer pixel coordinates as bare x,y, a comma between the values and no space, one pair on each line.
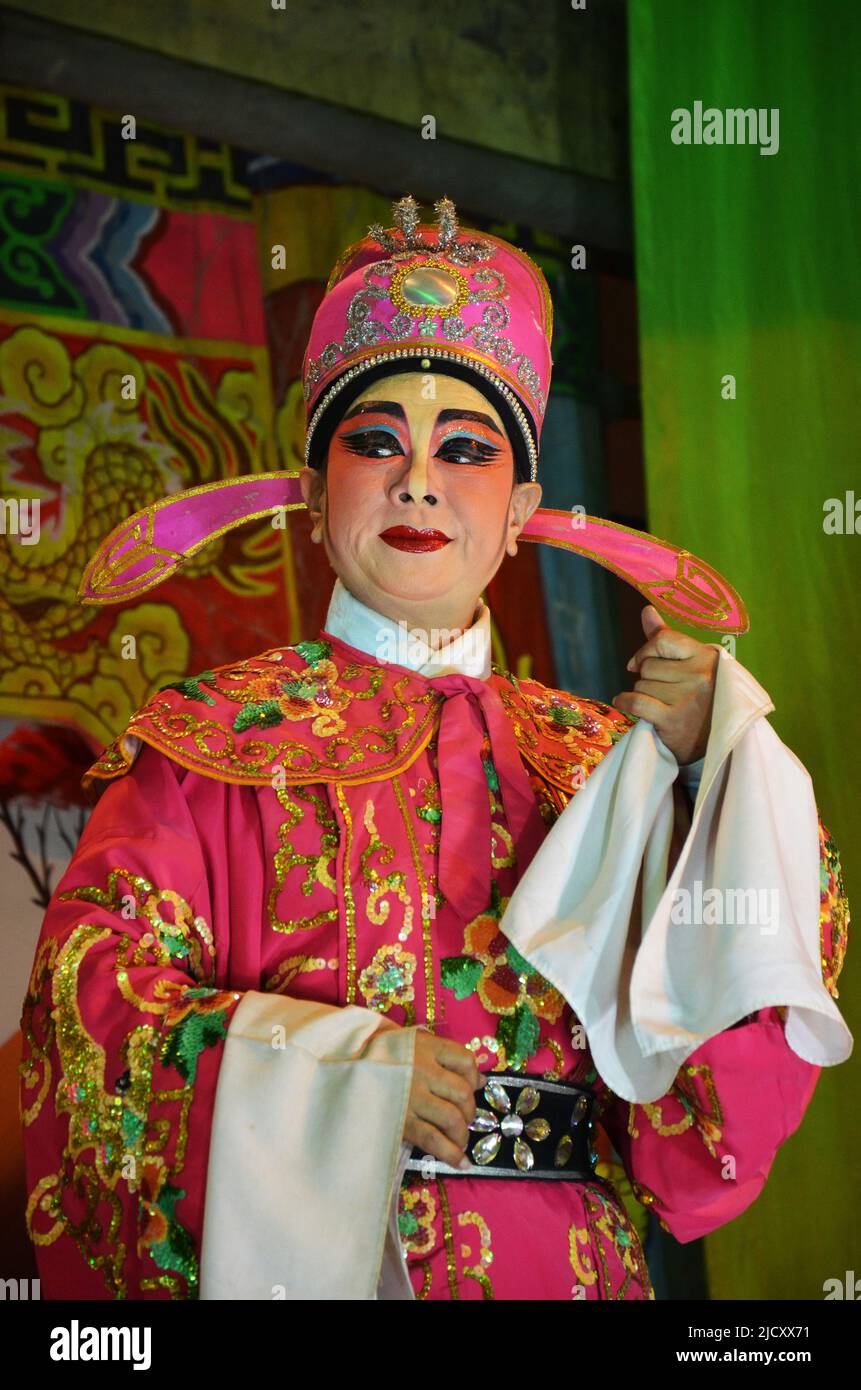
408,538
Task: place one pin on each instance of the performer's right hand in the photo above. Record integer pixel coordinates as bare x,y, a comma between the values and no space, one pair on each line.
442,1103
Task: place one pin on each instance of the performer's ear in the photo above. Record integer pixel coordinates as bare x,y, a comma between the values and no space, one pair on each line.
313,485
525,499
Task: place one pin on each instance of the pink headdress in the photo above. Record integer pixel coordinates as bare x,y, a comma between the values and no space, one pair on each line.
456,301
417,298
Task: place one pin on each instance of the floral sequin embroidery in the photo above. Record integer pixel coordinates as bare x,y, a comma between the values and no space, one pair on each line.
388,981
505,982
607,1224
416,1216
341,718
179,935
703,1114
127,1119
313,694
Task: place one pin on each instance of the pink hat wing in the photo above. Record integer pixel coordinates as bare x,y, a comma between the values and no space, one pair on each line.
675,581
153,544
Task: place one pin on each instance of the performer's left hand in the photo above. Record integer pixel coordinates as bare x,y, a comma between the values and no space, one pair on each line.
675,687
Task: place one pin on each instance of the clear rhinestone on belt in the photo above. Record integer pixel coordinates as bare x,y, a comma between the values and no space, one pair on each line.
511,1125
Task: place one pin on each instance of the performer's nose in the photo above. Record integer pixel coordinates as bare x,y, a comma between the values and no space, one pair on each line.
417,482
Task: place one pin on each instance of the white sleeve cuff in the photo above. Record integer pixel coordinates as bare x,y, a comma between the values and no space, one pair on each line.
305,1153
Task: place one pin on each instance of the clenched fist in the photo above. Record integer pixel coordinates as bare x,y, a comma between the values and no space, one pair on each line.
676,687
441,1103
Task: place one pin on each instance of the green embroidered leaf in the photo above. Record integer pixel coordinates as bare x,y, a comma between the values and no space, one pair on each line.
460,973
301,690
491,774
519,1034
313,652
132,1126
265,714
192,687
433,814
86,894
177,1251
528,1033
167,1199
184,1044
176,946
564,714
407,1223
517,962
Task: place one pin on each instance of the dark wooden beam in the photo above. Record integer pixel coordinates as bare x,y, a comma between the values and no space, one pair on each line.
347,144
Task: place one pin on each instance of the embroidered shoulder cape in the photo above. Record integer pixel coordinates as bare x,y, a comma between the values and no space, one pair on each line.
313,713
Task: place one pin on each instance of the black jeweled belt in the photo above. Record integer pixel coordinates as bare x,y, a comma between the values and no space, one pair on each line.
524,1127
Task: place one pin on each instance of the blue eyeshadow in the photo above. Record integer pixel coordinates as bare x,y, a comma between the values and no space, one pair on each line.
368,429
465,434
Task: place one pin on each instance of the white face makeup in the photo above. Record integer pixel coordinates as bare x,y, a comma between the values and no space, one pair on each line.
419,506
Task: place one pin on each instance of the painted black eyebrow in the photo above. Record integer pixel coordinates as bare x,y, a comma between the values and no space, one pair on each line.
393,408
364,407
476,415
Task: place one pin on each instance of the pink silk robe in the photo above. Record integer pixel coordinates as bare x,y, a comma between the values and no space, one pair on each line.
279,833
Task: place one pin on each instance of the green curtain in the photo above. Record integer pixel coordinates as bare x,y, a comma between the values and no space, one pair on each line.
748,268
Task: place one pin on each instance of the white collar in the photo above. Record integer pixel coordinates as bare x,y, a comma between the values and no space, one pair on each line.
360,626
